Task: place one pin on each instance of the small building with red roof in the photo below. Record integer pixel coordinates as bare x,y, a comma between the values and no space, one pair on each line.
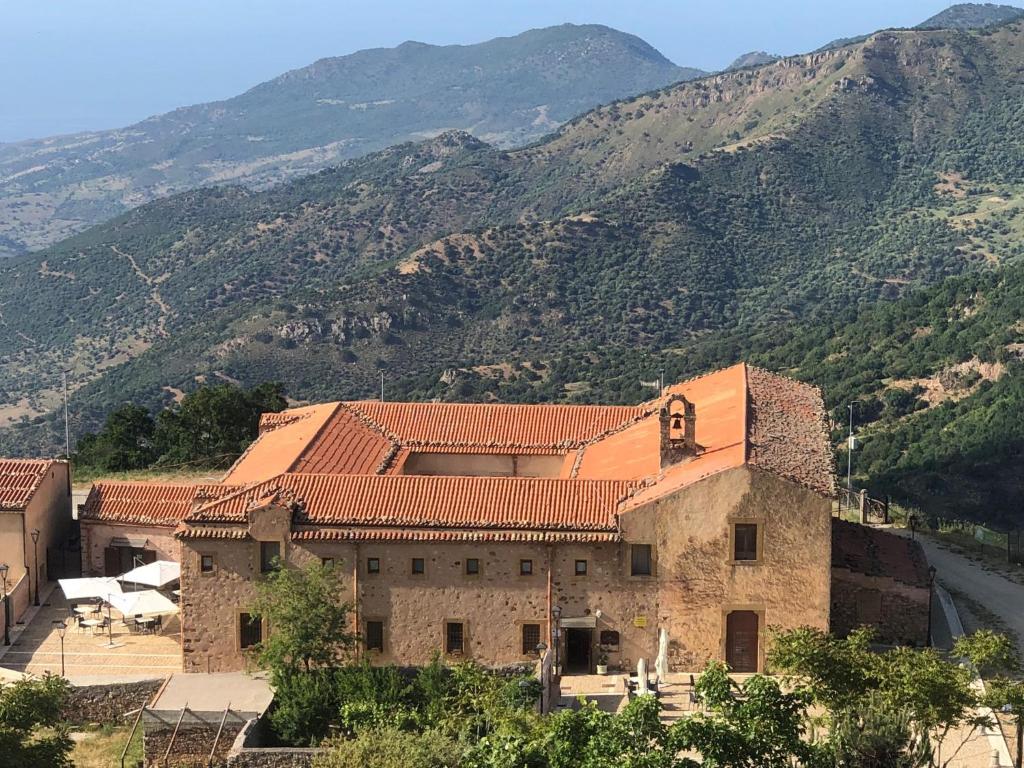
35,497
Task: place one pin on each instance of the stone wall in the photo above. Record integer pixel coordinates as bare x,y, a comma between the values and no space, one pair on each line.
191,748
898,612
108,703
246,751
96,538
694,586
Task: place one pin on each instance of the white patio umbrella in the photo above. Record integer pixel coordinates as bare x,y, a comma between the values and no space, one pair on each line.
159,573
84,589
148,602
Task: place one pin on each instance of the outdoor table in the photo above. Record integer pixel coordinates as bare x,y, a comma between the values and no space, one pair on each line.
90,623
147,623
85,610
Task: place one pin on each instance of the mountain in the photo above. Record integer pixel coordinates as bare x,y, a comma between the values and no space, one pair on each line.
972,16
508,91
758,213
753,59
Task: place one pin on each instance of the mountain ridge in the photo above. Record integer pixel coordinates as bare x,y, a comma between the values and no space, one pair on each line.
509,90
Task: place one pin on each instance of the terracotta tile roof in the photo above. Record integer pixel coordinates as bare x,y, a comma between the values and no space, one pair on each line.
404,534
191,532
277,449
496,427
349,445
139,503
875,552
788,432
432,502
19,479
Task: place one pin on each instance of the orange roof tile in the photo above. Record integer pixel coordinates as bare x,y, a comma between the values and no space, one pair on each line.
496,427
138,503
19,479
347,445
277,449
433,501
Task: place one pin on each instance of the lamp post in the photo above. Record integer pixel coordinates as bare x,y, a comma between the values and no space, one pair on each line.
931,596
556,633
35,560
62,629
4,568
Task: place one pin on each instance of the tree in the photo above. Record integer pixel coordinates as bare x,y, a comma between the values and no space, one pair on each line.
124,443
392,748
752,725
309,638
32,734
214,424
934,692
875,734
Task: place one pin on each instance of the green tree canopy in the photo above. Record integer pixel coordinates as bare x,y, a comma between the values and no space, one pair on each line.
31,732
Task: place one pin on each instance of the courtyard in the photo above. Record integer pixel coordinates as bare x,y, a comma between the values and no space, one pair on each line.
89,656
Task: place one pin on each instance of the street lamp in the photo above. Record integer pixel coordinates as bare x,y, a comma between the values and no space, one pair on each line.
62,629
35,559
4,568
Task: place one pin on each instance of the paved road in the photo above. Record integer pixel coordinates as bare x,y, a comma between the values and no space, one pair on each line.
1003,597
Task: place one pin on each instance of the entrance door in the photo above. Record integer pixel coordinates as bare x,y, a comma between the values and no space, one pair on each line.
741,639
577,650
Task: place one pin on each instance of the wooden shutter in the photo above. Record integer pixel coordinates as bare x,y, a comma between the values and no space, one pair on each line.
112,561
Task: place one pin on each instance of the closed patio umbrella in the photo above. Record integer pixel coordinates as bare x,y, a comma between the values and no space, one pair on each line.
159,573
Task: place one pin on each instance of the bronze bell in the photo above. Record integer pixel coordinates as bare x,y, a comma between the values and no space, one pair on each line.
677,421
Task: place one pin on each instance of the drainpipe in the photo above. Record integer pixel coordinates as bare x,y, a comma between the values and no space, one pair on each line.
355,588
550,606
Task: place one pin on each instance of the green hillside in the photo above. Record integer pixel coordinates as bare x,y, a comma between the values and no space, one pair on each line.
508,91
972,16
752,214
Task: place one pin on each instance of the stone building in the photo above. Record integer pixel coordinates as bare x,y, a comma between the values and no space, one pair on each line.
35,496
124,524
481,531
880,580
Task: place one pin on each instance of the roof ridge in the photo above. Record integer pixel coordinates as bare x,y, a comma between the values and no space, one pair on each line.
241,490
312,440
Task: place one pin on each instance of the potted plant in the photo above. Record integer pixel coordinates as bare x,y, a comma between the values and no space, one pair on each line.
602,663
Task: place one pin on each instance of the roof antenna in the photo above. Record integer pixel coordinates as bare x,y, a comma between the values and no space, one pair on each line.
382,386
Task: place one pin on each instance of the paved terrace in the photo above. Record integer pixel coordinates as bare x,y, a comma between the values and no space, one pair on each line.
88,659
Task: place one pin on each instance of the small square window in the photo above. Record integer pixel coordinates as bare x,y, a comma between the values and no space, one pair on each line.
454,637
327,562
526,567
250,631
418,566
745,541
373,565
581,567
531,639
375,636
270,556
472,566
206,563
640,560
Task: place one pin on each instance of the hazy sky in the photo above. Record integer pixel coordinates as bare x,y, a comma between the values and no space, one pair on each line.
68,65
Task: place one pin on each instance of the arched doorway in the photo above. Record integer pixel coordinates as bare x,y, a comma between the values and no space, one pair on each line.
742,634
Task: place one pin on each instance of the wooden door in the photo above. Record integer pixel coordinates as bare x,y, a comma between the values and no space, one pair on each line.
741,641
112,561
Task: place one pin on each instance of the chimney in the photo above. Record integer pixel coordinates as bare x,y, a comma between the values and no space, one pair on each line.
678,418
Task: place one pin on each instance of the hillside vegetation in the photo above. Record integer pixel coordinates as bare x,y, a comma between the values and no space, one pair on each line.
508,91
677,230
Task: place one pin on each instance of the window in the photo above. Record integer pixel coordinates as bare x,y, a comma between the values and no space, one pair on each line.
640,560
327,562
270,556
454,637
526,567
609,639
745,541
206,563
373,565
531,639
418,566
472,566
250,631
375,636
581,567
